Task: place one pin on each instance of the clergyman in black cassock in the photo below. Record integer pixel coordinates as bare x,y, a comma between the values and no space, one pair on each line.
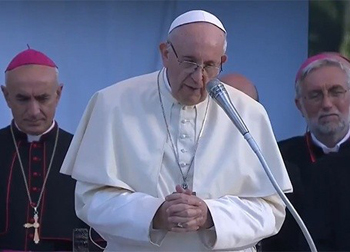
321,197
37,201
318,163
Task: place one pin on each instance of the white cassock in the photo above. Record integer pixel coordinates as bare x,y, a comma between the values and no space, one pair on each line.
125,166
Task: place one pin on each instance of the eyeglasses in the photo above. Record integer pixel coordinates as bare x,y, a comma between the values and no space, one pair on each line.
190,67
335,93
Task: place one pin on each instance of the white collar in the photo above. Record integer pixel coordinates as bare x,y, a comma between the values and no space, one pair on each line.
33,138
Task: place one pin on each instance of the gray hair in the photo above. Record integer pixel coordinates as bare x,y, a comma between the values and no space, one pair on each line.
317,65
225,43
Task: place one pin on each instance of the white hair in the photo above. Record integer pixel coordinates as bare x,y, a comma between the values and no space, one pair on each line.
317,65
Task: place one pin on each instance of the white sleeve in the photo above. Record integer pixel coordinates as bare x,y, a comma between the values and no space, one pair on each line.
117,213
242,222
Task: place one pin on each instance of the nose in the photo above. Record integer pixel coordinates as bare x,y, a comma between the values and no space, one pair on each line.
327,101
33,109
198,74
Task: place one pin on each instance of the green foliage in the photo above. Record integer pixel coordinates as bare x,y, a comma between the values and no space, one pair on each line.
329,28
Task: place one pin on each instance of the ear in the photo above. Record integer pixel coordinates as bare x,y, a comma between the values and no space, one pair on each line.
224,58
299,106
59,91
6,95
163,48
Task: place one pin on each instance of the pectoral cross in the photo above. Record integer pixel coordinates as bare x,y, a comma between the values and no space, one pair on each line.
34,225
185,186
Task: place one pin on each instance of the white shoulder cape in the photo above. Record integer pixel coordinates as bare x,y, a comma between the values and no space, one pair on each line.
121,136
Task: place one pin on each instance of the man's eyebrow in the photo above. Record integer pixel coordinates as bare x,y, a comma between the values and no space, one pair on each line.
22,96
41,95
194,59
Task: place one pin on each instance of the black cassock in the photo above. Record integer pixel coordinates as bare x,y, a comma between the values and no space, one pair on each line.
321,196
57,216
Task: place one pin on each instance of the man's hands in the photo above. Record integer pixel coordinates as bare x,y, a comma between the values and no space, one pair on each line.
182,212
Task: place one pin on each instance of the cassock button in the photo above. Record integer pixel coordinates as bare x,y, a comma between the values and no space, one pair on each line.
34,189
30,236
183,121
183,136
183,164
31,220
36,159
183,150
35,174
36,145
33,204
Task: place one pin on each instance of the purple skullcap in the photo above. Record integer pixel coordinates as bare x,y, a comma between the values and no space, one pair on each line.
30,57
324,55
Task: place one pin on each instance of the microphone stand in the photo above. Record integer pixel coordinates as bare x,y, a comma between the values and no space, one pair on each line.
248,137
218,92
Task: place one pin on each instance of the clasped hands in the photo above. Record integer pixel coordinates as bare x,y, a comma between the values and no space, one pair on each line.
182,212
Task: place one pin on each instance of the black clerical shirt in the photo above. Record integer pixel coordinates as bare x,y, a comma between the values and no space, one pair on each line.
321,197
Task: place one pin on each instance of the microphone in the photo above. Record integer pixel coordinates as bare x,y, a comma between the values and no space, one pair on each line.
218,92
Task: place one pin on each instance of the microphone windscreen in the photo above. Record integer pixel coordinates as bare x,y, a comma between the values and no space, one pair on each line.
212,84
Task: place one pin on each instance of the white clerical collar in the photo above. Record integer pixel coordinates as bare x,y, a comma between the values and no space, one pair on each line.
326,149
32,138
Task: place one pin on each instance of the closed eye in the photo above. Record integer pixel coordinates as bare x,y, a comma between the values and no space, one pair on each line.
315,95
42,98
22,98
337,91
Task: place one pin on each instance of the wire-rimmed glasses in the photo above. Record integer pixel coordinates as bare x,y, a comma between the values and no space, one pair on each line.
211,70
335,93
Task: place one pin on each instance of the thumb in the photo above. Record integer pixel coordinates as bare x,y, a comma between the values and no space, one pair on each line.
179,189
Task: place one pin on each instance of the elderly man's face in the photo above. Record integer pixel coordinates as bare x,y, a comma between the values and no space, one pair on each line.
32,93
325,101
200,43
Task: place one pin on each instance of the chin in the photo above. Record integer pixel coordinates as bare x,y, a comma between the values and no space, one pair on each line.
329,129
194,101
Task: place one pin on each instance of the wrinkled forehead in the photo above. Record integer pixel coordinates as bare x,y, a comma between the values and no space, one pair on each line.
198,28
323,65
325,76
319,60
197,34
198,46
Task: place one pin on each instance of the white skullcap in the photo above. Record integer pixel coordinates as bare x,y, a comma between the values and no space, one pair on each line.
196,16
